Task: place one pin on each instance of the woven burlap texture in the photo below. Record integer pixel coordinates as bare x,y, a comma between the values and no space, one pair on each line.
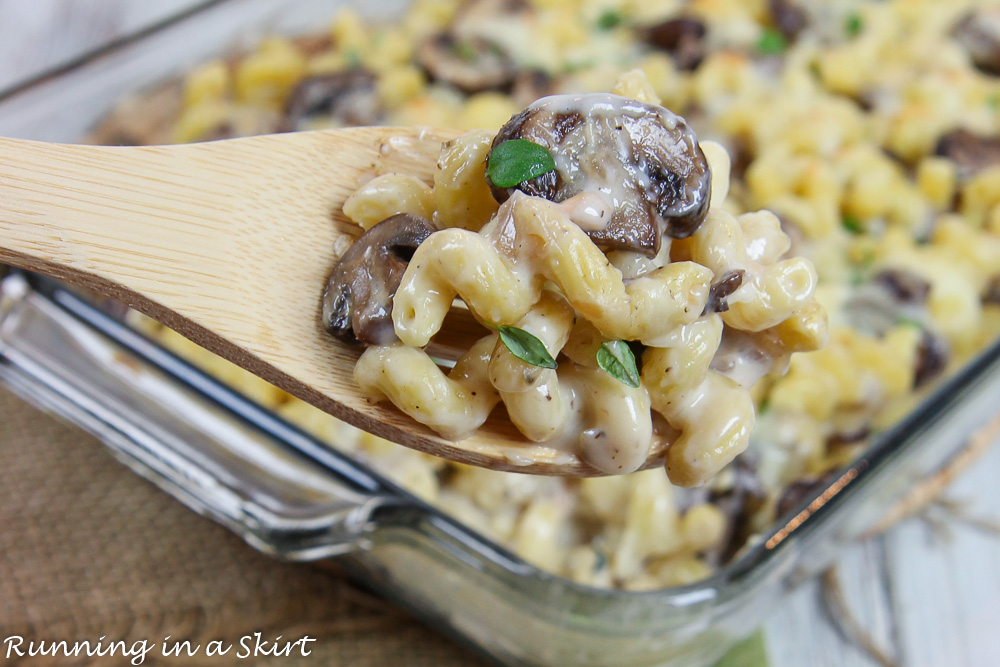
87,548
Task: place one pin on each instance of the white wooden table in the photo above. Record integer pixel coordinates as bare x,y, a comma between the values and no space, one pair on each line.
928,601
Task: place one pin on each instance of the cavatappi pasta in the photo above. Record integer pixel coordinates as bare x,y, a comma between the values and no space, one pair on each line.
869,128
706,293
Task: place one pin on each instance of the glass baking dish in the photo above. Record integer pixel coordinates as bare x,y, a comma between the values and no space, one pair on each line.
292,496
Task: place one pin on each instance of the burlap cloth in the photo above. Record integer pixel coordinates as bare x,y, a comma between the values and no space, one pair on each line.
87,548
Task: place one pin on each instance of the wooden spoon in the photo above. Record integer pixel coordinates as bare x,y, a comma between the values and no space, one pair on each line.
231,243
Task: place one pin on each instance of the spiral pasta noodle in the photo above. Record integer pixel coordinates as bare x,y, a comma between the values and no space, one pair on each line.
693,306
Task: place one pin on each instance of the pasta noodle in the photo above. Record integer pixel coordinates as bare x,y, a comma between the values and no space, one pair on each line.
537,267
855,131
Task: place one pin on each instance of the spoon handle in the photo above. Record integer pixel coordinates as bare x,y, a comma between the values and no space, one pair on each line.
138,217
141,217
163,221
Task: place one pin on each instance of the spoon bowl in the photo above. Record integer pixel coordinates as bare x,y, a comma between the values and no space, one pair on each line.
230,243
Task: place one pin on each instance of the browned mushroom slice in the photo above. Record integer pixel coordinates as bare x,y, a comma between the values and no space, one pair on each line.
991,293
849,436
979,33
788,17
932,358
357,302
971,152
799,491
891,296
471,65
720,291
906,287
529,85
738,504
348,97
639,159
682,38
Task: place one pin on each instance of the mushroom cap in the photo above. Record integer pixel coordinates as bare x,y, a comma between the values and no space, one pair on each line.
789,18
979,33
721,290
471,65
642,158
972,153
348,97
357,302
682,38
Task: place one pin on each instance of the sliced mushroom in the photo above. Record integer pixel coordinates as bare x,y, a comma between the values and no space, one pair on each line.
971,152
357,302
529,85
472,65
224,130
799,491
788,17
682,38
739,503
850,436
887,298
905,286
348,97
720,290
979,33
642,159
991,293
932,357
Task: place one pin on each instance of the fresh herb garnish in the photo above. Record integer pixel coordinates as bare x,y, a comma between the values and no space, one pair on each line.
615,357
771,42
609,19
526,347
854,24
518,160
765,406
862,262
993,101
852,224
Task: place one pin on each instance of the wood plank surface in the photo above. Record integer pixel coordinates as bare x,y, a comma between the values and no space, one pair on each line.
42,34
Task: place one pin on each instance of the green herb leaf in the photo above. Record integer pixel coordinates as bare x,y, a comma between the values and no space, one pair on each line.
765,406
518,160
993,101
852,224
609,19
526,347
617,359
854,24
466,51
771,42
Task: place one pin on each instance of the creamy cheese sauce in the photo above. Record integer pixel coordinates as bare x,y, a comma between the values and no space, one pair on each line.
591,210
742,359
606,423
